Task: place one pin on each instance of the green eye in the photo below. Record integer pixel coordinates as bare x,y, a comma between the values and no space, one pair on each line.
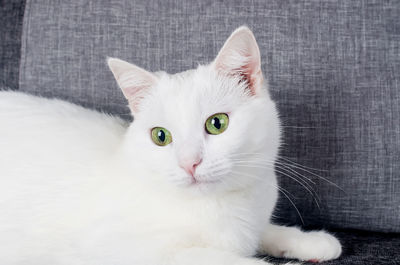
161,136
217,123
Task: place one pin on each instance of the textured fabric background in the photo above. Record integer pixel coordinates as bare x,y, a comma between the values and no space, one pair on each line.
11,14
333,67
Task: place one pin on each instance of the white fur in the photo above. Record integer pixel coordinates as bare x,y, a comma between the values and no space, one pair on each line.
81,187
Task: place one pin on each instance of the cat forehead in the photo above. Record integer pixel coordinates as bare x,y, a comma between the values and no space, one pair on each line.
192,95
201,87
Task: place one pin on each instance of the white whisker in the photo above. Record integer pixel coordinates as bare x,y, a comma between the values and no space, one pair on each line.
282,190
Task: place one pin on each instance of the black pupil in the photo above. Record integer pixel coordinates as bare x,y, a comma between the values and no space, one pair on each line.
216,122
161,135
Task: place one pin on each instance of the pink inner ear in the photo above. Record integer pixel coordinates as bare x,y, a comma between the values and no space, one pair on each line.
133,81
132,91
240,57
252,74
246,73
135,95
134,104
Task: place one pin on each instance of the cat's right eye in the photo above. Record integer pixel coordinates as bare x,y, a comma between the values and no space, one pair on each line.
161,136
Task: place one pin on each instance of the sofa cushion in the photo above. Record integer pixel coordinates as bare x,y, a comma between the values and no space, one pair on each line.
11,15
333,68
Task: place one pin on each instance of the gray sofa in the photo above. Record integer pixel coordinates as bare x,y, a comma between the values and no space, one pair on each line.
333,67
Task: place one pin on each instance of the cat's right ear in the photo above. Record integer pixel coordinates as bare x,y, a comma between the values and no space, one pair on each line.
240,57
133,81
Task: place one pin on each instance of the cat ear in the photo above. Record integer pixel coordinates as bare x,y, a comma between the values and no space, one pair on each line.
133,80
240,56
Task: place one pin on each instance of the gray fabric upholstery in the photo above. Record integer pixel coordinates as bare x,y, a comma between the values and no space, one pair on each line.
333,68
11,14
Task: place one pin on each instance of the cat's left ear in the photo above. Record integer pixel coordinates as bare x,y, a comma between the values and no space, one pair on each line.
240,56
134,81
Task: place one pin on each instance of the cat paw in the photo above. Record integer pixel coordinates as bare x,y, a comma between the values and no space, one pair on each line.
314,247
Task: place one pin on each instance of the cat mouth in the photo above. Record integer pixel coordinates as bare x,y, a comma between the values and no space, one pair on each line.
195,181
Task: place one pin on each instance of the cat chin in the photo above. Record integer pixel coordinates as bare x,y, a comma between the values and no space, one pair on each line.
204,182
201,187
211,189
203,190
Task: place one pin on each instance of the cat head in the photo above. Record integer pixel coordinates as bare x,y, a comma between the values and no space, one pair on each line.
210,128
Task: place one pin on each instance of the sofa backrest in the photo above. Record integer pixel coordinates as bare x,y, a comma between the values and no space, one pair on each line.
11,14
333,68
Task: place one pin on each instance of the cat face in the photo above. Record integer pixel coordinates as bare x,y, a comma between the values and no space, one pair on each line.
203,129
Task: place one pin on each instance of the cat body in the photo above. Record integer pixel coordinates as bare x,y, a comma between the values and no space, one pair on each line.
82,187
68,188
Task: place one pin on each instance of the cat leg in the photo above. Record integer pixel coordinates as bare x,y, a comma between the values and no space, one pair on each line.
291,242
207,256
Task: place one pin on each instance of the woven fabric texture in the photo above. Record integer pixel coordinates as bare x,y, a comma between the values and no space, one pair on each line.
333,68
11,15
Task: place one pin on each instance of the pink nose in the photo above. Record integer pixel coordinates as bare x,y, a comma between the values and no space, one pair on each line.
190,165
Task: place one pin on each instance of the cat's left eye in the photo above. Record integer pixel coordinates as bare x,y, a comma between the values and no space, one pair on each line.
161,136
217,123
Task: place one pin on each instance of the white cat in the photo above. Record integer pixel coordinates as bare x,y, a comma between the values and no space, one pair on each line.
177,186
